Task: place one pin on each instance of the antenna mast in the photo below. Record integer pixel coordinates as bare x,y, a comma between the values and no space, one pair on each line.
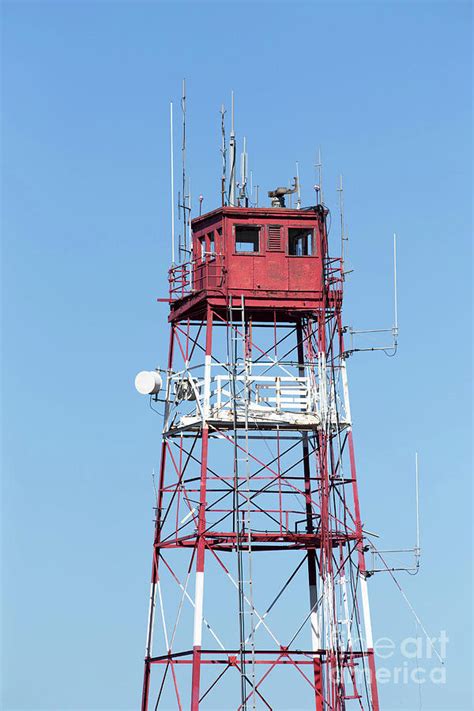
319,166
340,190
243,174
189,218
183,156
417,496
232,149
395,294
224,156
298,202
172,183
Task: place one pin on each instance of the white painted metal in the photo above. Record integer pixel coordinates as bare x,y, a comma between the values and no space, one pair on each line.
163,617
345,390
314,618
198,609
366,612
188,516
347,619
151,620
287,400
187,596
323,397
207,388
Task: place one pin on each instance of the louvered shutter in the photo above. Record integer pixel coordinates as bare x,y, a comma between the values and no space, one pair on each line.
274,238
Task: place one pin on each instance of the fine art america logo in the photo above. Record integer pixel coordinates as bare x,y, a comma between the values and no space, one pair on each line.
414,660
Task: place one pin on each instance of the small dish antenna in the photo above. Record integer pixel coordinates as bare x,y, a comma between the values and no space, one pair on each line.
148,382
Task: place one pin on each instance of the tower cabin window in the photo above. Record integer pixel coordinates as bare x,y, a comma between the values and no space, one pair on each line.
247,238
207,247
212,246
300,242
202,248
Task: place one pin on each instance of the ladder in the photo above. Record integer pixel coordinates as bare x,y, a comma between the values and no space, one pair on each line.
242,498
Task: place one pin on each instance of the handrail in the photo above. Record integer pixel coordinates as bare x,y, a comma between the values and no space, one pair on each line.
207,272
334,273
196,275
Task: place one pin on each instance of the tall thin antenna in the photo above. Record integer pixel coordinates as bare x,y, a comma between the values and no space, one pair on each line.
243,173
232,149
298,202
395,294
189,217
340,190
319,166
183,156
417,497
224,156
172,183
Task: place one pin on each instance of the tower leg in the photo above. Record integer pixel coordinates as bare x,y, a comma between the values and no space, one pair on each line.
154,567
311,555
146,685
199,588
363,582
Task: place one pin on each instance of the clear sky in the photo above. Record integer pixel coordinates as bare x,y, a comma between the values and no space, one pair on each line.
385,90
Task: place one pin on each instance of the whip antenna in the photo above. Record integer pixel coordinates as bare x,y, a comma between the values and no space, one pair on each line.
172,183
224,156
232,150
183,157
395,293
298,202
319,166
340,190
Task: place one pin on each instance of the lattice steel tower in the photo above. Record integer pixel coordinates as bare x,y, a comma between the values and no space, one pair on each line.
259,586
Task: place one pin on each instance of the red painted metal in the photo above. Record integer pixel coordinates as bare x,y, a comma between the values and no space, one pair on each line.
285,309
265,277
201,528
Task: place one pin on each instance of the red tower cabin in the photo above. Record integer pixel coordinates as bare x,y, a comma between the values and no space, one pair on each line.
272,257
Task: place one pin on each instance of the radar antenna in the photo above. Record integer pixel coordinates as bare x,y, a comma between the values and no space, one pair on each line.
278,195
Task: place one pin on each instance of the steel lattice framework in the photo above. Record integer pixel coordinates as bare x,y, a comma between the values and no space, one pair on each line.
259,586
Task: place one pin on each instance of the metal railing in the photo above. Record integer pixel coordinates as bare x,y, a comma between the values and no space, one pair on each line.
334,274
196,275
207,272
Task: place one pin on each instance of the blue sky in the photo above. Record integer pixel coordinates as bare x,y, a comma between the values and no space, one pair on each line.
385,90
